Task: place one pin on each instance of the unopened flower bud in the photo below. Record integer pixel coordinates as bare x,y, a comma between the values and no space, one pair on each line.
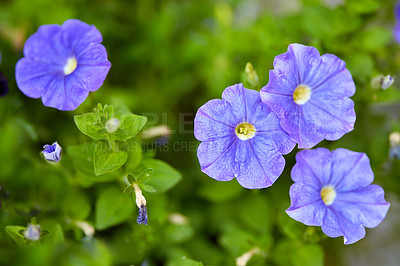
141,203
112,125
251,74
394,150
33,232
52,152
387,82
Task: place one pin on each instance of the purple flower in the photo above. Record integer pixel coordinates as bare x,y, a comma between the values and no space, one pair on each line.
52,152
333,190
396,30
62,64
310,94
241,137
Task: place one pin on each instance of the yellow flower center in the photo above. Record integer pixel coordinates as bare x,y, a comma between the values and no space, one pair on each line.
328,195
70,66
302,94
245,131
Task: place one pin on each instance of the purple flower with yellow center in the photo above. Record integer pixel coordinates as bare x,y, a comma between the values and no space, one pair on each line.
333,190
52,152
62,64
310,94
241,137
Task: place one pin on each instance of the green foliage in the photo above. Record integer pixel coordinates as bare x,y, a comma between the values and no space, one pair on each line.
112,208
107,160
168,58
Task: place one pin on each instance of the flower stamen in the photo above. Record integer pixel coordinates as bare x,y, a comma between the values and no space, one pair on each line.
328,195
301,94
70,66
245,131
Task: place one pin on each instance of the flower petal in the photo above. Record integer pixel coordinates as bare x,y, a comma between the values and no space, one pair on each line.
217,158
33,76
307,60
268,127
351,170
313,167
306,205
54,93
78,34
45,46
366,206
235,97
212,121
335,225
330,118
260,164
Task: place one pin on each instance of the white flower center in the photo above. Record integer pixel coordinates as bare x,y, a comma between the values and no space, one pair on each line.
70,66
245,131
301,94
328,195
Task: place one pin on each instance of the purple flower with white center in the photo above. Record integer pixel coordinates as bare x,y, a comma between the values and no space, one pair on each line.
62,64
241,137
52,152
333,190
310,94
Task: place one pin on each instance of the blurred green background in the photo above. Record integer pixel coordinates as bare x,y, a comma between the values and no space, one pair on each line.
169,58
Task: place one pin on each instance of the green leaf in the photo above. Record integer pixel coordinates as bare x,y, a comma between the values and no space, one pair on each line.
128,189
183,261
216,191
106,160
256,212
55,236
130,125
178,233
148,188
374,38
362,7
88,125
81,157
296,253
131,178
164,176
145,176
112,208
13,231
236,241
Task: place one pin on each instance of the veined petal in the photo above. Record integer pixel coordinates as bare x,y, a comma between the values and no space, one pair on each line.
307,60
213,121
366,206
235,97
330,118
335,225
54,93
78,34
259,163
313,167
217,158
33,76
351,170
306,205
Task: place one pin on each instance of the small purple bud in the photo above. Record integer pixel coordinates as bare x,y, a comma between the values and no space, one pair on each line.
52,152
142,217
33,232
